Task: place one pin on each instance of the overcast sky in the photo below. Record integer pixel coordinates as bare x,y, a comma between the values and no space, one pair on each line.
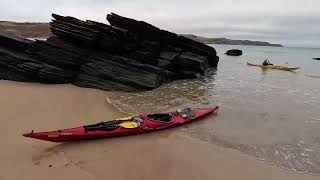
288,22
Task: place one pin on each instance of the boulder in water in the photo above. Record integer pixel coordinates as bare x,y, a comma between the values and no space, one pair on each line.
234,52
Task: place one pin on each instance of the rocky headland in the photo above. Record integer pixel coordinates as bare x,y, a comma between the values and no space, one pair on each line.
127,55
227,41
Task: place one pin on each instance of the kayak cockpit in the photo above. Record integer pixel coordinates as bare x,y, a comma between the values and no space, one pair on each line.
160,117
168,117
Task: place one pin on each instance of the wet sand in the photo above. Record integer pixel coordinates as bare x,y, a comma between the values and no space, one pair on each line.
167,154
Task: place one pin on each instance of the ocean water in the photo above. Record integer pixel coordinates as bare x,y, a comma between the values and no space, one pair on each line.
272,115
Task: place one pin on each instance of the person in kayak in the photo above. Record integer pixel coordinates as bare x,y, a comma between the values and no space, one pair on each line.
267,63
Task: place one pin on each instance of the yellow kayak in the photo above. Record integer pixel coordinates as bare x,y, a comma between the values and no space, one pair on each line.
274,67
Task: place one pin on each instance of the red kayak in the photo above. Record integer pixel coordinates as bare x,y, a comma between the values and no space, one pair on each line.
124,126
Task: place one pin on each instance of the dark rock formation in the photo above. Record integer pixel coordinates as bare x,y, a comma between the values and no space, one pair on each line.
127,55
234,52
316,58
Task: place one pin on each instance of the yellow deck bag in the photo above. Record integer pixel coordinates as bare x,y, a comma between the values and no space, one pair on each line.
129,124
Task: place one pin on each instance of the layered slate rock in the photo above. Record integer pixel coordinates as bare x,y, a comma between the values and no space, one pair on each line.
234,52
127,55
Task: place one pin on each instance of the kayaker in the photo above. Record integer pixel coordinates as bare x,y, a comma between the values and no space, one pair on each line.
267,63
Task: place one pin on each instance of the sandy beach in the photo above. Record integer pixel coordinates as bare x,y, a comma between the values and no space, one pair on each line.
168,154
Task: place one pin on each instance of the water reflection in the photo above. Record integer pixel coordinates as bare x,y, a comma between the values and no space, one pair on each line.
180,93
299,156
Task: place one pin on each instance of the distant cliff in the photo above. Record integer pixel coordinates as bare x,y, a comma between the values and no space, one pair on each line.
229,41
27,30
41,30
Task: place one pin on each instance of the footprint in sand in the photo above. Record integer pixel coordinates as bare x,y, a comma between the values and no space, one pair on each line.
49,152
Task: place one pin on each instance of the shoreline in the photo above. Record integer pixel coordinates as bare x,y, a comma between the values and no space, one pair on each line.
167,154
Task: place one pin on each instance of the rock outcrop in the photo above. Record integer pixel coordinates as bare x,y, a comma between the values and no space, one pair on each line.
234,52
316,58
127,55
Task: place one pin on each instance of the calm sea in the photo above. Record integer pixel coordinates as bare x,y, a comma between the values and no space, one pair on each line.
272,115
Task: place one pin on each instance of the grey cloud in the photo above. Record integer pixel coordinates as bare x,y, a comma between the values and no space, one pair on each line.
290,22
